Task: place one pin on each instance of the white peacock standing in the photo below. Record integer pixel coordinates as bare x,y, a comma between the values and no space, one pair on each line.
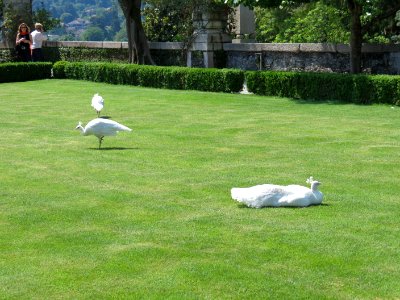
102,127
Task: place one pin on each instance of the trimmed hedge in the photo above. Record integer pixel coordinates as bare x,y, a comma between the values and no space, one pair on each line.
213,80
362,89
12,72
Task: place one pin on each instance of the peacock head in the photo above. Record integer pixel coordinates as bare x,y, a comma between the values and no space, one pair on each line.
314,183
79,126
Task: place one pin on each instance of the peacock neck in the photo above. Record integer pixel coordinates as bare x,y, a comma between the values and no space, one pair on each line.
82,130
314,187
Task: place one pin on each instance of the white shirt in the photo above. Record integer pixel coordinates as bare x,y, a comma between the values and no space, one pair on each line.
37,39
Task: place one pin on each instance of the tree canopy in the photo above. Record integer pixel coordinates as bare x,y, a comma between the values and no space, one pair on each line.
366,17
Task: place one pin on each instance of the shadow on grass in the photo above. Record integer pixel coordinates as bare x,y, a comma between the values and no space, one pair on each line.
329,102
114,148
285,207
105,117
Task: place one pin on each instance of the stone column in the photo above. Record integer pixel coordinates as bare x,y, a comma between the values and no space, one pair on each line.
209,35
245,25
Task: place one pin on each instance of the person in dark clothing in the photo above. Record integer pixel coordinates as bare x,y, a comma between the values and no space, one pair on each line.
23,42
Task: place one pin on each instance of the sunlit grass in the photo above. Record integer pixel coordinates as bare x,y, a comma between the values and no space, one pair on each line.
150,215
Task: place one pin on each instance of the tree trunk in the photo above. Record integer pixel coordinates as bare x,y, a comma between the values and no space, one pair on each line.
356,36
138,47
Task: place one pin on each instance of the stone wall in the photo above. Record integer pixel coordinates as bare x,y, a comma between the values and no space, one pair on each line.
377,59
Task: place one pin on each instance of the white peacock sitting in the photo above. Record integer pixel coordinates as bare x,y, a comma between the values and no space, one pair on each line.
277,195
100,128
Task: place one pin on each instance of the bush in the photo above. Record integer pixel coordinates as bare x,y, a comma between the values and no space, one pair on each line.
59,69
362,89
385,87
12,72
215,80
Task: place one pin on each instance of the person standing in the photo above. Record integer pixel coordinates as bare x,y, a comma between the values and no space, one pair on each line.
23,42
37,40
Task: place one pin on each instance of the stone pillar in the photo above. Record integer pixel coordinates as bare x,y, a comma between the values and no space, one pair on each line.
245,25
209,36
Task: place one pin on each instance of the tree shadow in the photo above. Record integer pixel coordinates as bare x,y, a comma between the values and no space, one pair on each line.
326,101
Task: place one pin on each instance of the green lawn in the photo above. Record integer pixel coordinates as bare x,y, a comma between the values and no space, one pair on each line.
150,216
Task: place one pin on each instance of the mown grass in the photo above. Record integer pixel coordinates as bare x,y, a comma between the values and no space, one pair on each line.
150,215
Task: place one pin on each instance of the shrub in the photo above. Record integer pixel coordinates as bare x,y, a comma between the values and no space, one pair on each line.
12,72
59,69
215,80
362,89
385,89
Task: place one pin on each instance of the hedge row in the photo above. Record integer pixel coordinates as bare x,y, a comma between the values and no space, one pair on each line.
363,89
182,78
11,72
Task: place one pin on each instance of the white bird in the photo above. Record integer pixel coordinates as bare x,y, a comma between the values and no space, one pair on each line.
97,103
277,195
102,127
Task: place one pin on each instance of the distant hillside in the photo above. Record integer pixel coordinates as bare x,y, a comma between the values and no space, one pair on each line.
96,20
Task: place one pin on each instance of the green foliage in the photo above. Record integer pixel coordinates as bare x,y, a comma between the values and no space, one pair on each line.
362,89
270,23
10,23
216,80
44,17
8,55
12,72
322,24
385,89
66,17
93,33
308,23
379,20
168,21
59,69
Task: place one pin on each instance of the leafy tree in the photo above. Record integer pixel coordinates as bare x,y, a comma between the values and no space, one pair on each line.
121,35
106,19
43,16
168,20
364,16
10,20
66,18
318,23
93,33
270,23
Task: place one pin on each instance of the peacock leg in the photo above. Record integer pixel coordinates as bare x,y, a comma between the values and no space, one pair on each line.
100,140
